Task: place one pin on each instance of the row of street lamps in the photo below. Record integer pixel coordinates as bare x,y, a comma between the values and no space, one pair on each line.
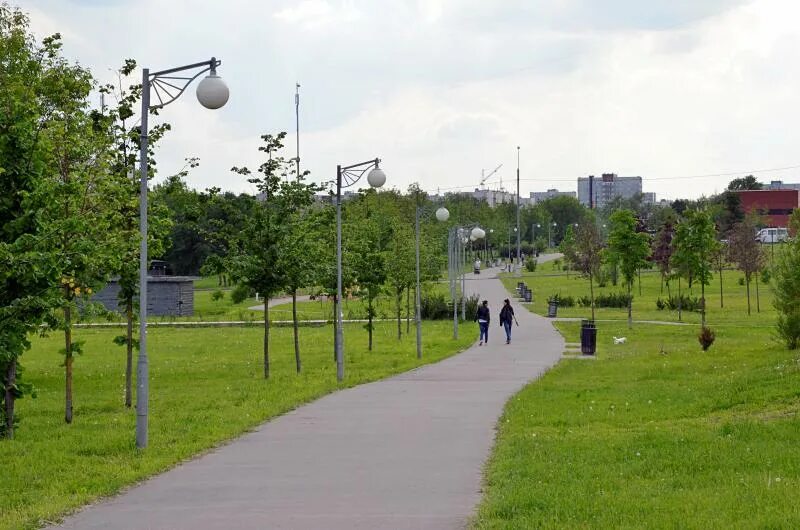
213,93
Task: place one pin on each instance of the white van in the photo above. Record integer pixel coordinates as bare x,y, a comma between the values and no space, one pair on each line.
772,235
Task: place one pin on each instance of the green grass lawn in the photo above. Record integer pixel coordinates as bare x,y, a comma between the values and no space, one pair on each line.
206,387
643,439
546,282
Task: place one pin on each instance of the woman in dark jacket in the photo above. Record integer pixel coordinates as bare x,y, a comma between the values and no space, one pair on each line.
482,316
506,319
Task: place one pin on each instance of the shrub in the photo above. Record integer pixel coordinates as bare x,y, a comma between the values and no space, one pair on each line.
706,338
786,289
741,281
615,300
435,306
217,295
241,293
530,265
765,276
687,303
561,301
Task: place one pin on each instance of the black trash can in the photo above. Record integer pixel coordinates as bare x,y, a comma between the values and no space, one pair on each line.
528,296
588,337
552,309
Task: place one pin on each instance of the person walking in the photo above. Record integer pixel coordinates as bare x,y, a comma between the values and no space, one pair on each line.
482,316
507,318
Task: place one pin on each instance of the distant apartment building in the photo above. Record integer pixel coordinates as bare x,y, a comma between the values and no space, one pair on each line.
607,187
649,197
780,185
495,197
539,196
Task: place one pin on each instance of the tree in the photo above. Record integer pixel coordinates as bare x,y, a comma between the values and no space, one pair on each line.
628,249
587,255
745,251
786,280
662,252
695,244
745,183
369,265
38,87
568,248
300,249
256,263
400,267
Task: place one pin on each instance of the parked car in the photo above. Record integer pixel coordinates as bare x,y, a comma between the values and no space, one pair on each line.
772,235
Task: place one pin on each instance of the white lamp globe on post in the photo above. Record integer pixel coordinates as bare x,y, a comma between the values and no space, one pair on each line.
442,214
212,92
376,177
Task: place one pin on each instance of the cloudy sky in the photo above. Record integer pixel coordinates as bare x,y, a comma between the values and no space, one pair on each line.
672,90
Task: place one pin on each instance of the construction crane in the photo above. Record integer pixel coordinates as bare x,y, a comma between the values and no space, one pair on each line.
485,177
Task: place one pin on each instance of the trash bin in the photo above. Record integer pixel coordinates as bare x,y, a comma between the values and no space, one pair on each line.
528,295
552,309
588,337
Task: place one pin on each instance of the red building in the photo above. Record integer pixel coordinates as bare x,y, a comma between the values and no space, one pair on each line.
775,205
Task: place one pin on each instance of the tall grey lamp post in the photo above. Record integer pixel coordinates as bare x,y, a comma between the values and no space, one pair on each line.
442,214
519,232
212,93
351,175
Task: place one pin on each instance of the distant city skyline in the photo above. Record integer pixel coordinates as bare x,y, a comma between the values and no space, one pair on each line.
442,89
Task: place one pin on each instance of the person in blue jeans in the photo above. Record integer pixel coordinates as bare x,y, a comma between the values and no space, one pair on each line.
507,318
482,316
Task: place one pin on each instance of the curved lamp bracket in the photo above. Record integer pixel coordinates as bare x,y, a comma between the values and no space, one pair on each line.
168,88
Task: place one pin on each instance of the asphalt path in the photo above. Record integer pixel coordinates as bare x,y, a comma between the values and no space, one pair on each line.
402,453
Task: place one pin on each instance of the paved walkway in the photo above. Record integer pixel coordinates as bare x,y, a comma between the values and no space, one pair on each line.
402,453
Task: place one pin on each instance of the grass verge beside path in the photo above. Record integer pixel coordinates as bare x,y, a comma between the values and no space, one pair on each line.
206,387
644,439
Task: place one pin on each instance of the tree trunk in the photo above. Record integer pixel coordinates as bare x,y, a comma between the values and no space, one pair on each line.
296,338
747,283
11,379
758,299
399,304
721,300
68,364
630,305
640,282
369,317
129,352
266,337
334,328
702,304
680,298
591,292
408,310
662,283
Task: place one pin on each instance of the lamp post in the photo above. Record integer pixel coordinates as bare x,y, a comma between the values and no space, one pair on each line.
442,214
212,93
549,235
351,175
519,233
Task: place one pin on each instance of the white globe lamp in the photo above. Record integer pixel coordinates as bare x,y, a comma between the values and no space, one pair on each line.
212,92
478,233
376,177
442,214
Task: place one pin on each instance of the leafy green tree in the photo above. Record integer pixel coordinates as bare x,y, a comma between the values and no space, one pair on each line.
369,265
745,183
695,243
38,88
301,248
662,252
628,250
786,278
256,263
587,254
401,268
569,249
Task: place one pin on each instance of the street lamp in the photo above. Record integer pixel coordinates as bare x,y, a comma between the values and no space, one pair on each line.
351,175
442,214
212,93
549,235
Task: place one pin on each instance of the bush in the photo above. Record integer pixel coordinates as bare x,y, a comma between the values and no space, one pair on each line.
241,293
561,301
530,265
765,276
217,295
687,303
741,281
706,338
786,289
435,307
